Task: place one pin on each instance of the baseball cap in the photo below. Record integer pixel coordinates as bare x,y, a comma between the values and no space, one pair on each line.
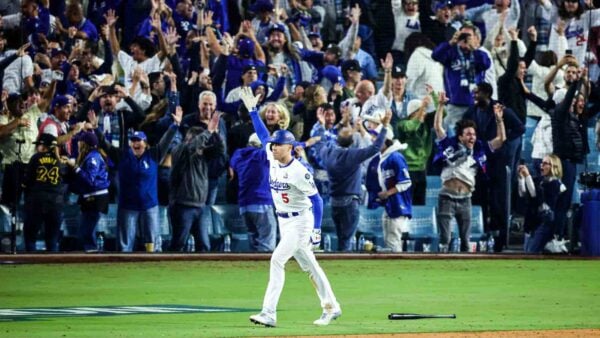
442,4
413,106
261,6
335,50
88,137
333,74
138,136
47,140
59,101
352,65
248,68
397,72
246,47
276,27
314,35
57,51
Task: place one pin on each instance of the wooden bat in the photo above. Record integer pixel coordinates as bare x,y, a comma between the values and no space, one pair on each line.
405,316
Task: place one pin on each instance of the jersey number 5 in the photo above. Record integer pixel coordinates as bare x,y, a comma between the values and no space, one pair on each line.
285,198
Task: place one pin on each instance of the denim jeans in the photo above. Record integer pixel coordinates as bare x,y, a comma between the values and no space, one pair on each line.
262,229
87,229
346,221
454,114
127,224
213,189
540,236
565,198
36,214
459,208
184,220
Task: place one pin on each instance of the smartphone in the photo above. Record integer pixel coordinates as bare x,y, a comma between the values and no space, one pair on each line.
569,52
463,36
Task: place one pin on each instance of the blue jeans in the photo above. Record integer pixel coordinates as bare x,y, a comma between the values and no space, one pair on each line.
540,236
346,221
184,219
87,229
127,223
213,187
262,229
564,199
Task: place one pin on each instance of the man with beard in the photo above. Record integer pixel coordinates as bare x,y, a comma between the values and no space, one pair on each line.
112,122
462,157
57,123
279,51
343,165
571,73
492,190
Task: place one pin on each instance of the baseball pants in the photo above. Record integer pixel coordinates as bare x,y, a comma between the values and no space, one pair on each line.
295,242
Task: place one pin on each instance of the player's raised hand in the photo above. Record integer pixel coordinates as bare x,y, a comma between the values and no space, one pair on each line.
250,101
315,238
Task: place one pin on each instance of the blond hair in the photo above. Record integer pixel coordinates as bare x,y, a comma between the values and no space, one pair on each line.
284,114
556,169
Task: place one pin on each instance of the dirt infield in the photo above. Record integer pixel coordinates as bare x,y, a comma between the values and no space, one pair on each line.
63,258
582,333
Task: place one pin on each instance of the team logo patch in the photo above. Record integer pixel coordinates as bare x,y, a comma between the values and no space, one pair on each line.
20,314
307,176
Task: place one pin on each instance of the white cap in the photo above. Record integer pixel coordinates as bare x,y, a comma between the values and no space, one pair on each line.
254,141
413,106
559,95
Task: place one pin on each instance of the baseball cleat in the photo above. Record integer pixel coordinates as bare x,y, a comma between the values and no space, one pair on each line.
263,319
327,317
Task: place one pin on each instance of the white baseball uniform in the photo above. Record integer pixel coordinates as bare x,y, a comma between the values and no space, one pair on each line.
291,185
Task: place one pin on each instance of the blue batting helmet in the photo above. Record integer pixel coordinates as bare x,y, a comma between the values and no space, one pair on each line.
282,137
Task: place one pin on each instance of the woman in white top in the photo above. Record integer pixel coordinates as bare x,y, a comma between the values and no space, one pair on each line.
421,69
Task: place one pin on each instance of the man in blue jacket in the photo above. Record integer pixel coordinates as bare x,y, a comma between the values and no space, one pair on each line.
343,165
464,67
138,177
251,166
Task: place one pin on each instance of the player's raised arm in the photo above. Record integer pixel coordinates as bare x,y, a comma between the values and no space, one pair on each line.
250,102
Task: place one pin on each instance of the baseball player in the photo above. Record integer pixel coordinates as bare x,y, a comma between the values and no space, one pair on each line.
299,211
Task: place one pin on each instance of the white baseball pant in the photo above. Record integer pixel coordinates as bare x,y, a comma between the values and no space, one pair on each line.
392,231
295,242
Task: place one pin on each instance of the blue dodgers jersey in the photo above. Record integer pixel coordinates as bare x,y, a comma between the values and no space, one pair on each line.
394,170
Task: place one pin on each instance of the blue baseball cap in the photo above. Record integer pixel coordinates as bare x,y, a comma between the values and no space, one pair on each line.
59,101
314,35
443,4
138,136
276,27
333,74
261,6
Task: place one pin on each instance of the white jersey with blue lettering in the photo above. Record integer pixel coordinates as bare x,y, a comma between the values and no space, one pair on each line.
291,185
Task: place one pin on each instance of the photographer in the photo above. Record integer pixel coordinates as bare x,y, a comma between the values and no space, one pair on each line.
542,194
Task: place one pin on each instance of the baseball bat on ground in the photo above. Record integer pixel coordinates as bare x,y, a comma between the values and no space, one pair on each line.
405,316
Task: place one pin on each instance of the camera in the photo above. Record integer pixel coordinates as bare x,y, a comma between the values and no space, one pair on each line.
464,36
590,180
569,52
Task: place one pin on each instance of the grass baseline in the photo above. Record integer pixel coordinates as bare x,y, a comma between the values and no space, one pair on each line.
486,295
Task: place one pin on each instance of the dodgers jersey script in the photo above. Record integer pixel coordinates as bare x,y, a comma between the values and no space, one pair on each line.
290,185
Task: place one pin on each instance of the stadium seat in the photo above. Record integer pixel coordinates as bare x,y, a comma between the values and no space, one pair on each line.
328,228
226,219
370,224
423,227
434,184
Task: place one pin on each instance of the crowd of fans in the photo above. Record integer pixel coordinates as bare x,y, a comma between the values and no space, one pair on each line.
139,103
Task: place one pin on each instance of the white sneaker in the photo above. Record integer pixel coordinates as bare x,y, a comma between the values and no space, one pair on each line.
553,246
327,317
263,319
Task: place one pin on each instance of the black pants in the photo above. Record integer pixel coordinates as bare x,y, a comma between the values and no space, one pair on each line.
419,186
14,175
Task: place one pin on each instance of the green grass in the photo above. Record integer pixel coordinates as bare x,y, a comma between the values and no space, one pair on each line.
485,295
